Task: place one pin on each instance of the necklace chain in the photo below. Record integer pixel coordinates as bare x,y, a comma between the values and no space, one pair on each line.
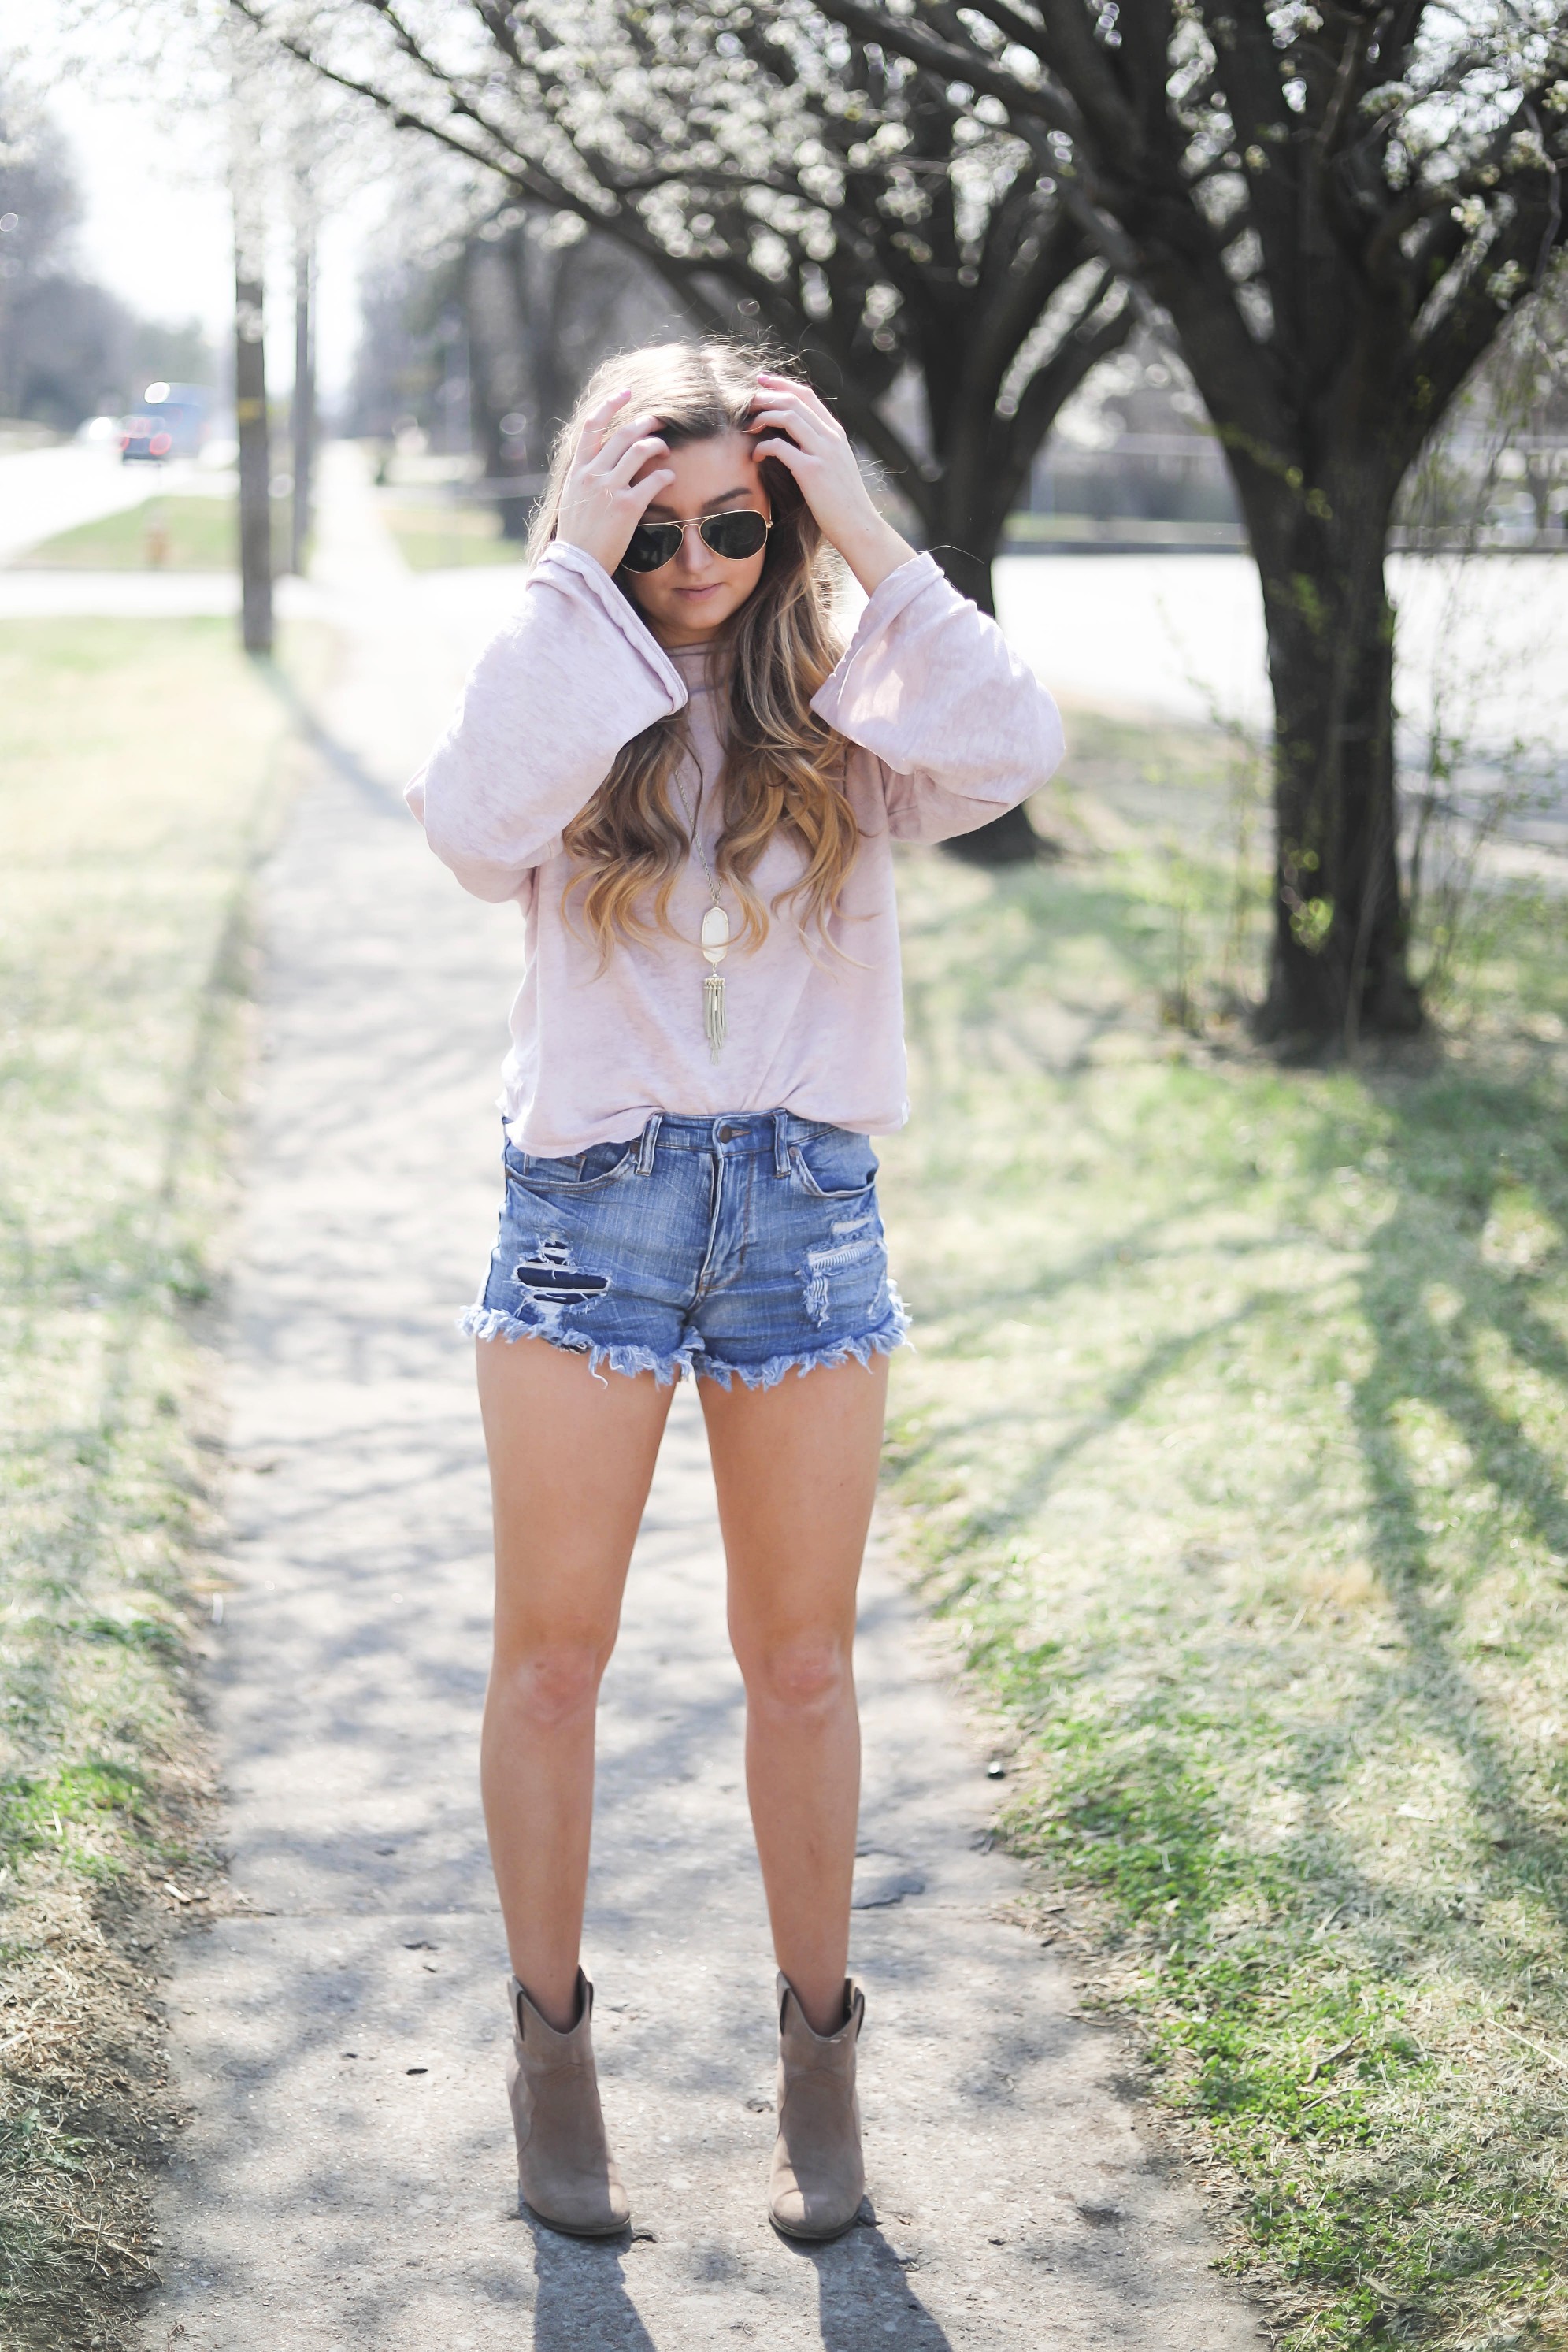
715,936
696,840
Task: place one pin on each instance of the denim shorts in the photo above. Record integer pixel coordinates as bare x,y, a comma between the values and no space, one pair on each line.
744,1246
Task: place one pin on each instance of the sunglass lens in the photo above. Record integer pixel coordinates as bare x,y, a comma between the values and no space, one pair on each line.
734,536
654,544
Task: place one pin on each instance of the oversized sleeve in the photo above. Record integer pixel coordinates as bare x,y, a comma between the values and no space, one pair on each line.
554,694
928,685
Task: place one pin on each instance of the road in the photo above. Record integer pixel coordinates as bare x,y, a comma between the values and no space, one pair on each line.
1170,636
43,491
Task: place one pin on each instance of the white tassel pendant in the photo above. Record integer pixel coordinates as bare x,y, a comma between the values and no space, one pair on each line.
713,1013
716,942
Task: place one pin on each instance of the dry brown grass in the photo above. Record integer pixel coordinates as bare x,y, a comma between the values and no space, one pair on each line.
142,764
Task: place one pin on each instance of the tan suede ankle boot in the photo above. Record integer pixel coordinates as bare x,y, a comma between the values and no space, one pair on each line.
818,2176
565,2174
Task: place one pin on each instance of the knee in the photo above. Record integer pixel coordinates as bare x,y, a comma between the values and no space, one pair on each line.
798,1675
551,1683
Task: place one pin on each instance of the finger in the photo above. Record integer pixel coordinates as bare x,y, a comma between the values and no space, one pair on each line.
781,393
616,434
785,451
811,425
620,437
659,481
634,458
790,420
806,439
597,419
790,386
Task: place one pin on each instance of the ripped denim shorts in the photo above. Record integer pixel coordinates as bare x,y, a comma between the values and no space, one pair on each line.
744,1246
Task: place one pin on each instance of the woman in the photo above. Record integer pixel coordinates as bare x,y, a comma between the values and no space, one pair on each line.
692,788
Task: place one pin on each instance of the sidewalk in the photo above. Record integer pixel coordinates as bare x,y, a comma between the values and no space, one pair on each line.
347,2182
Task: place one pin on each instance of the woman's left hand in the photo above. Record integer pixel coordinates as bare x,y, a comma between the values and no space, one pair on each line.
817,452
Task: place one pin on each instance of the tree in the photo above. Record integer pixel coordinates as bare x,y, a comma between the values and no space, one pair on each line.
65,348
68,348
302,398
249,120
38,200
543,300
1499,462
286,157
777,173
1336,204
537,301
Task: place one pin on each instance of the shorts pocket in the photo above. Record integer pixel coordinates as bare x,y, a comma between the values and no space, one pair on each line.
582,1171
847,1275
836,1165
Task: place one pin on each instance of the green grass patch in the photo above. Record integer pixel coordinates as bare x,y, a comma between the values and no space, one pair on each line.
138,761
162,534
1235,1459
445,537
168,534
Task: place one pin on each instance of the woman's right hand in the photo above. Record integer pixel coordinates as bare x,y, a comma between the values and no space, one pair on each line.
600,506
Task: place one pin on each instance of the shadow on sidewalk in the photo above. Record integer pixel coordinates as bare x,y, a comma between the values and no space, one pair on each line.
854,2310
582,2303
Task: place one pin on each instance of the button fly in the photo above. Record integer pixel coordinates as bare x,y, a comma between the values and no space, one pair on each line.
727,1134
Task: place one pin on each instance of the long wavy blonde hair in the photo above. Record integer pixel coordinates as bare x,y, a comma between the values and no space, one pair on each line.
783,766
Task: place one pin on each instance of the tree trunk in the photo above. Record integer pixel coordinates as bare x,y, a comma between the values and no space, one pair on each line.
302,409
255,461
497,376
970,567
1337,967
1010,839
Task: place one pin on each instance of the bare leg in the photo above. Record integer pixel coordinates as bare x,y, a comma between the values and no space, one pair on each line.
796,1470
571,1460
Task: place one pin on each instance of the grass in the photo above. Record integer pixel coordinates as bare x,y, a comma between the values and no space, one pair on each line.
197,535
138,761
442,537
1234,1458
162,534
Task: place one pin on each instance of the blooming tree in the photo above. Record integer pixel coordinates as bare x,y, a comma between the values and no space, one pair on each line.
781,173
1336,204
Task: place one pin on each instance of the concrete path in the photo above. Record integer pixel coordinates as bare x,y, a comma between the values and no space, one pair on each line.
44,595
348,2183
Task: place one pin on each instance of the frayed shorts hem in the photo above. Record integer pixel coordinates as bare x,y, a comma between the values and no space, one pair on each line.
693,1361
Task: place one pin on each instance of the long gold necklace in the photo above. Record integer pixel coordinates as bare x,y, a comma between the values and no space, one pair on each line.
715,938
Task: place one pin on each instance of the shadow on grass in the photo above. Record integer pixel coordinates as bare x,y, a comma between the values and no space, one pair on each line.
1278,1974
1423,1358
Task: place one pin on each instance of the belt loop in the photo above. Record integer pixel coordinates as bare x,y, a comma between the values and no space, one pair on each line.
780,1148
645,1148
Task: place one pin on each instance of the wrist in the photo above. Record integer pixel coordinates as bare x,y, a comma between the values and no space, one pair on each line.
583,542
874,553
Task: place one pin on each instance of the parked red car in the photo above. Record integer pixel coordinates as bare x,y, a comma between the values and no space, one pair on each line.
143,436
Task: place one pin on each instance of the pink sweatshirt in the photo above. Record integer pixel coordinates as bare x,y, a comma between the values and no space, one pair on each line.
948,728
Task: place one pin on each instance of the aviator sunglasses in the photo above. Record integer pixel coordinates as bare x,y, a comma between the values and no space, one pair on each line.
734,536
